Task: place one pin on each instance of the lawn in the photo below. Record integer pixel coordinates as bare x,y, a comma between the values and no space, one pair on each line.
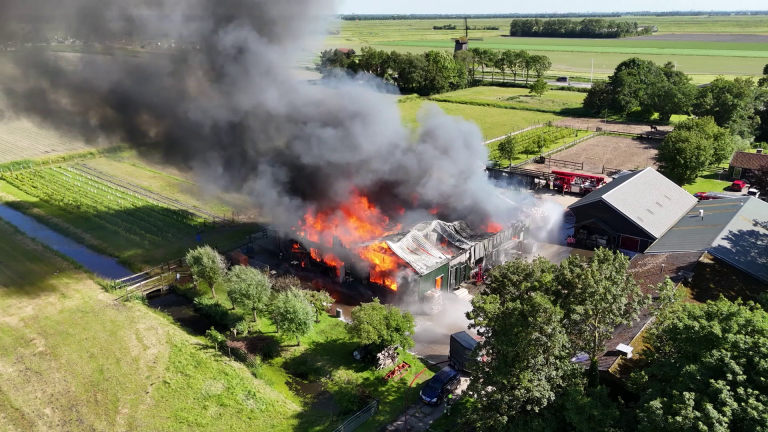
555,101
493,122
328,348
707,183
73,359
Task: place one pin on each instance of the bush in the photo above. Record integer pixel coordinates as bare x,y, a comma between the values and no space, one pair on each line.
347,390
216,311
109,285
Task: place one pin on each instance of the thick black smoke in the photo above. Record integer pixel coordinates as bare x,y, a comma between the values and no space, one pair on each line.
224,104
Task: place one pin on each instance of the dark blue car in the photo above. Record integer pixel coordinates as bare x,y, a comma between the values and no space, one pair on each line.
440,385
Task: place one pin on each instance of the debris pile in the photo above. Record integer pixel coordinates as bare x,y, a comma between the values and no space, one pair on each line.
387,358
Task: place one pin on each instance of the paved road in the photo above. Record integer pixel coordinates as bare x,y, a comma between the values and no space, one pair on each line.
578,84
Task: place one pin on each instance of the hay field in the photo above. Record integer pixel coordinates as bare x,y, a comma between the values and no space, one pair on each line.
24,139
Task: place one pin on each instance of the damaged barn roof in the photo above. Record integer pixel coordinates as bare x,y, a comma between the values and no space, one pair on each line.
418,245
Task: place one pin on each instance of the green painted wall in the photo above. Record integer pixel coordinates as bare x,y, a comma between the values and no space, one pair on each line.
427,281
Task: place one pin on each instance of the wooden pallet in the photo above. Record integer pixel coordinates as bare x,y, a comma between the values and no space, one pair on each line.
398,371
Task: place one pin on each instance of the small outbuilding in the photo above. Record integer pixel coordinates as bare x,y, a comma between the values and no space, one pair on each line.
743,165
631,212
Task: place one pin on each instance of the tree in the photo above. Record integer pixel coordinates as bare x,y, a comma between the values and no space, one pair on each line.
508,148
491,60
441,73
375,62
500,63
293,313
320,300
336,59
528,357
467,60
411,70
763,81
675,96
529,63
249,289
759,179
704,369
382,325
597,296
540,65
285,283
215,337
206,265
733,105
539,87
694,145
518,62
598,98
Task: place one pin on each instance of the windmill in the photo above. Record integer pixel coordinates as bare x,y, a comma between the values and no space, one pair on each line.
462,43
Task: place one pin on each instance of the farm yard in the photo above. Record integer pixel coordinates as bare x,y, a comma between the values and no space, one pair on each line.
609,151
24,139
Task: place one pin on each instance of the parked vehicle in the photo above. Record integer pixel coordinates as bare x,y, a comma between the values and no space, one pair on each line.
562,80
753,192
461,348
738,185
440,385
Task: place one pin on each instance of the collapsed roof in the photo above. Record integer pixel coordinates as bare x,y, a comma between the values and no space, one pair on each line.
418,245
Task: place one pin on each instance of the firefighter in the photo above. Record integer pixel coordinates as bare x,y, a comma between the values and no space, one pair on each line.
448,403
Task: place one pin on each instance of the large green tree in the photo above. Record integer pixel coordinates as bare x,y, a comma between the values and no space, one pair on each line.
732,103
206,265
320,300
705,369
249,289
694,145
382,325
508,148
375,62
596,296
293,314
539,87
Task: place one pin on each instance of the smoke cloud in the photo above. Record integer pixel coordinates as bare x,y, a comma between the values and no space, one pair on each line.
225,105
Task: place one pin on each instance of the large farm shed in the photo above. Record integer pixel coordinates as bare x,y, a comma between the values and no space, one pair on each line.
439,255
733,230
631,212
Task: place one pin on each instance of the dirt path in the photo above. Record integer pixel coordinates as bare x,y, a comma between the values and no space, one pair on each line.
584,123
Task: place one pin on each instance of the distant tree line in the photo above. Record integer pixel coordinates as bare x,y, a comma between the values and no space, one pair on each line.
377,17
586,28
453,27
435,71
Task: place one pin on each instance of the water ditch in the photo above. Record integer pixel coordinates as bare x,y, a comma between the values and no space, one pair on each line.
99,264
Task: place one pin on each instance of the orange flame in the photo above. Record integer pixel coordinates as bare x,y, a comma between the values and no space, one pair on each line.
493,227
354,222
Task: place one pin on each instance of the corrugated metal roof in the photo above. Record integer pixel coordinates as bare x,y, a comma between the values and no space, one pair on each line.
694,234
414,249
650,200
744,241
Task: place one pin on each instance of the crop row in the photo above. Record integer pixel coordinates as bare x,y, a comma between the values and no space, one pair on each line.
111,208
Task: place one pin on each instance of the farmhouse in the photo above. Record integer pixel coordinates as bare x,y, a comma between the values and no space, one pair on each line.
631,212
743,164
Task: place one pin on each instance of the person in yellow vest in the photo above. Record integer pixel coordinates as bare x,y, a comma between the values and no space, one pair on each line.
448,403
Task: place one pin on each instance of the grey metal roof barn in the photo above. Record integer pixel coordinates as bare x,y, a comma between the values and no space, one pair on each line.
694,233
647,198
734,230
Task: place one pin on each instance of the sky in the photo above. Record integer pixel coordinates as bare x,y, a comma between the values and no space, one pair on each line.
506,6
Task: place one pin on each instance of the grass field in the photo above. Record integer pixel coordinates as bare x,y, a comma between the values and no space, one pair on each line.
22,139
493,122
554,101
73,359
94,226
697,57
707,183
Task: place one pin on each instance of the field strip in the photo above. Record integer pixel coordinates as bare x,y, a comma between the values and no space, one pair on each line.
590,49
514,133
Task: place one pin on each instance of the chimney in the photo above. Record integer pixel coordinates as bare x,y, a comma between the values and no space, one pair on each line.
701,214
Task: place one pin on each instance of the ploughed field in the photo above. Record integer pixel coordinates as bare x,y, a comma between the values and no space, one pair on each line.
23,139
609,151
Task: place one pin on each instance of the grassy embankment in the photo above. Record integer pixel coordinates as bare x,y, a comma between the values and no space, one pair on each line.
73,359
704,60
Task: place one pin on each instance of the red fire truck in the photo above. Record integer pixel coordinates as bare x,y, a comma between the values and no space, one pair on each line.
578,183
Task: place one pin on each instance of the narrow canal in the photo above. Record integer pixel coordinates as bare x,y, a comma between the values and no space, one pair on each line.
101,265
